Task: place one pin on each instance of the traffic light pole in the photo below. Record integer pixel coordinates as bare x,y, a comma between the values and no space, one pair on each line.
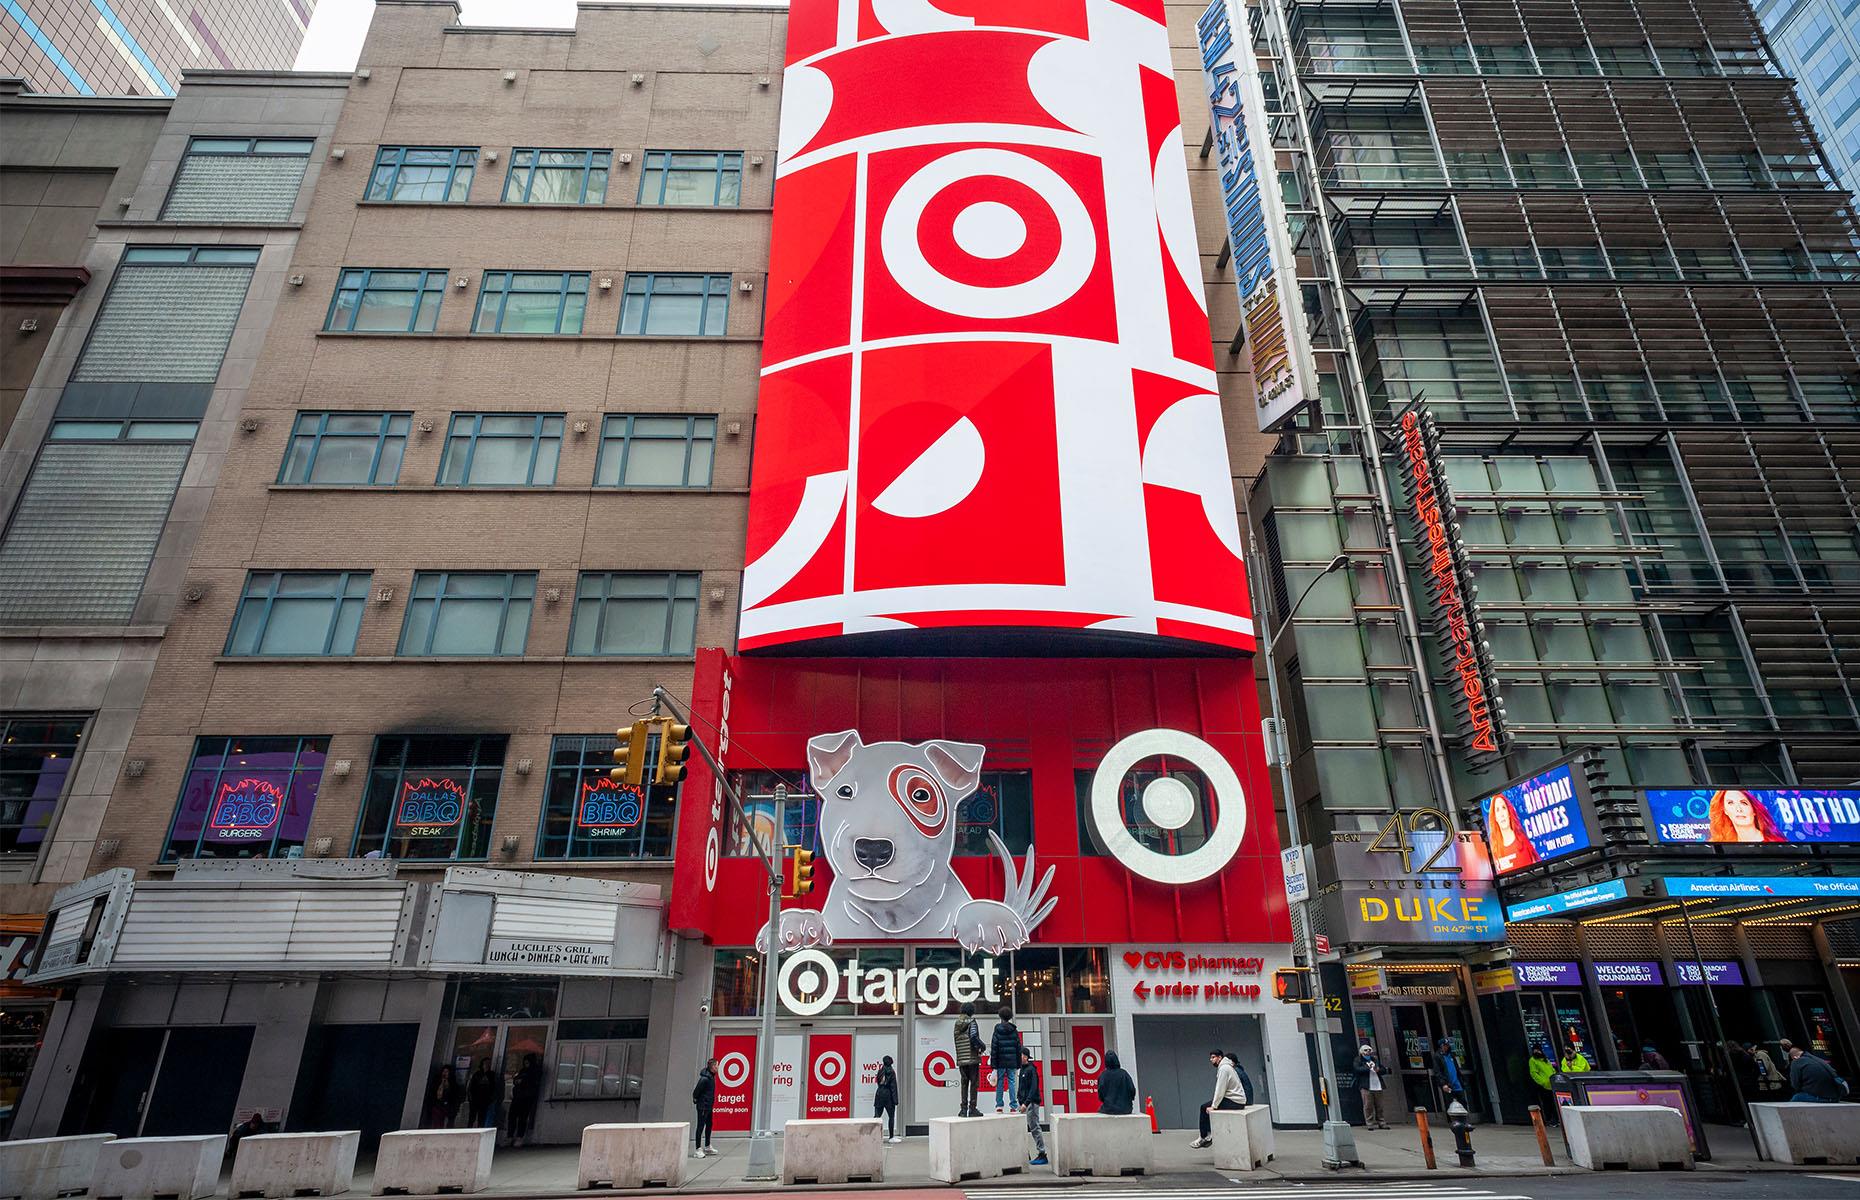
762,1142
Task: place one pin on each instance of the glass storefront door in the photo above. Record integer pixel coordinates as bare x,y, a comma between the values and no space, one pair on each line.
505,1046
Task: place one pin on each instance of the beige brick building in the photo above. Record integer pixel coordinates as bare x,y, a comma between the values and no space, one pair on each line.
473,562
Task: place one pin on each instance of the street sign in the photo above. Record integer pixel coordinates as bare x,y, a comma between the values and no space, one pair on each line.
1323,943
1309,1025
1294,862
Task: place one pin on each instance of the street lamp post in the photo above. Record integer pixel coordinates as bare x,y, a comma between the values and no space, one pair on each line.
1339,1141
762,1141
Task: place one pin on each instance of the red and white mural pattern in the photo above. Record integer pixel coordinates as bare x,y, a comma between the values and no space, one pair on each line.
988,394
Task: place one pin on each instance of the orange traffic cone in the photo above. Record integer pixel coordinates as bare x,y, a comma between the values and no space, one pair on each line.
1149,1106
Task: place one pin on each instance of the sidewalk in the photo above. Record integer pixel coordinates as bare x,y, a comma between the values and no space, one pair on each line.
1389,1155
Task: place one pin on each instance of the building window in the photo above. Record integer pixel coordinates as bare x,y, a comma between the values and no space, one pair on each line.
660,451
501,450
377,300
800,814
703,178
588,815
1183,840
36,754
247,797
238,179
122,431
468,613
557,176
351,448
634,613
168,318
1002,803
423,174
676,305
302,613
431,797
531,302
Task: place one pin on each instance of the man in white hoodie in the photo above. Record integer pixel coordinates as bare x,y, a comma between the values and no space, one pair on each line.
1227,1094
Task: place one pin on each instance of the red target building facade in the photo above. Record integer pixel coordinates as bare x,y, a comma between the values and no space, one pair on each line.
995,635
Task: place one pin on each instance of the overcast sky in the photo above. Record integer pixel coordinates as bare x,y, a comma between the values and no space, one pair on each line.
338,26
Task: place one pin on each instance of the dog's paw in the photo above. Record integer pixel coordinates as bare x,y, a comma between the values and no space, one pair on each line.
989,925
800,927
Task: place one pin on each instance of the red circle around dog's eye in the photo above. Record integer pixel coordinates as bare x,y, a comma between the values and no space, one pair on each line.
920,798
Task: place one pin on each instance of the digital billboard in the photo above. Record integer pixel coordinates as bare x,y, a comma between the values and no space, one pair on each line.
988,397
1538,820
1733,816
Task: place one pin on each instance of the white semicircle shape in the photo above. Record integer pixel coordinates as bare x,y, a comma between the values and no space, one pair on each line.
1186,450
943,475
917,16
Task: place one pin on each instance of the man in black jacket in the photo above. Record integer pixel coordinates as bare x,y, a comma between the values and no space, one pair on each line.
1813,1079
1004,1055
1117,1091
1028,1095
704,1099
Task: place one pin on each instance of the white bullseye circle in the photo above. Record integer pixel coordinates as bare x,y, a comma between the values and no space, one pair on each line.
733,1069
1107,819
1089,1061
989,229
830,1068
904,256
808,982
1167,802
804,974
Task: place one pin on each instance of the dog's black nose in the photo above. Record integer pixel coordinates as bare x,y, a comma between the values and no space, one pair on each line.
872,853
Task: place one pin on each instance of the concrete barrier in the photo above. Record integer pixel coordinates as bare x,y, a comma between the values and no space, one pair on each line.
964,1148
1628,1137
424,1162
1242,1137
43,1168
844,1150
143,1168
631,1156
276,1165
1808,1134
1097,1144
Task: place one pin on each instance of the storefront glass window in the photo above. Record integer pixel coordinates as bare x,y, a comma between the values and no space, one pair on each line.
588,815
22,1029
1035,981
247,797
504,999
1088,979
800,815
1004,803
889,959
736,984
431,797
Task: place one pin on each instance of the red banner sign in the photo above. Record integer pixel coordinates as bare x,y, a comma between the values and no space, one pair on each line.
829,1075
736,1081
1087,1065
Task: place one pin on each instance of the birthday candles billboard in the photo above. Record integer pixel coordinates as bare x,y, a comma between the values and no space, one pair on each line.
1728,816
988,397
1537,820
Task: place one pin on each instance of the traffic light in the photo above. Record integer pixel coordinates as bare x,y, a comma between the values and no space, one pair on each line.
802,881
674,748
1292,985
630,755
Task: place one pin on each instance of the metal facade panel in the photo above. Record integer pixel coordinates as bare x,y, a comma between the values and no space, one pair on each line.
539,918
249,926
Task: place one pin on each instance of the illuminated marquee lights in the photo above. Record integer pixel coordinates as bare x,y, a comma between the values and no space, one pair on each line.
608,809
246,808
1444,569
430,808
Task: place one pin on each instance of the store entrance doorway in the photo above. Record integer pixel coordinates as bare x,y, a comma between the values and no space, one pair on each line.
1419,1029
1172,1062
141,1082
505,1045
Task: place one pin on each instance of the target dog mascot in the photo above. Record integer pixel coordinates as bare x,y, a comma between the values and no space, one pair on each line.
888,827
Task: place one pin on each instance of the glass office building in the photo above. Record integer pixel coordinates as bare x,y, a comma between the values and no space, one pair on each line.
1817,41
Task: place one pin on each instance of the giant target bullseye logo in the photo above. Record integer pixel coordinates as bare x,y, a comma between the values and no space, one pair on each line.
1090,1061
829,1069
1168,804
937,1066
733,1070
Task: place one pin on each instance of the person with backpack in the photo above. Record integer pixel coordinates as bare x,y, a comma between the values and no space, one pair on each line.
968,1059
1117,1091
1813,1079
704,1099
1004,1048
1028,1096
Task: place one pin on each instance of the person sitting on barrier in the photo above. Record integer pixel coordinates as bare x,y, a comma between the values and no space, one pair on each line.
1028,1095
1813,1079
1117,1091
1228,1094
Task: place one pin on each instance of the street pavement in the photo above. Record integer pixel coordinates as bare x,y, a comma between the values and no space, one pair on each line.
1508,1167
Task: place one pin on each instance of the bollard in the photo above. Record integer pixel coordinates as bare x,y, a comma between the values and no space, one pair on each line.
1149,1106
1543,1139
1427,1137
1462,1134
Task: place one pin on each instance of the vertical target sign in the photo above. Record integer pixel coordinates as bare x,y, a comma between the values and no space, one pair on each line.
1087,1066
829,1075
736,1070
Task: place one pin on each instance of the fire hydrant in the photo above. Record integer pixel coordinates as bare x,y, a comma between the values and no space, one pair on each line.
1462,1133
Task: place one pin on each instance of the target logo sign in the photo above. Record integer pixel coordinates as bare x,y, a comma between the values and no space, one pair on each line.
1090,1061
1168,803
1087,1065
829,1081
733,1070
829,1069
937,1066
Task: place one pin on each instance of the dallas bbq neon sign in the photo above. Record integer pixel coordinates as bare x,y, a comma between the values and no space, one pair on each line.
607,809
430,808
246,810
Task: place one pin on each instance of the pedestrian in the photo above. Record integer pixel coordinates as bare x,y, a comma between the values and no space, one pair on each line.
968,1059
1652,1060
1117,1091
1542,1072
1574,1060
1813,1080
525,1094
1227,1095
1447,1074
439,1094
1743,1067
1369,1082
704,1099
885,1100
1028,1096
1246,1081
481,1096
1004,1047
1769,1075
